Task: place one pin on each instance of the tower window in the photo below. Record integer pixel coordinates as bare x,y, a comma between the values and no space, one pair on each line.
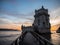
44,24
38,22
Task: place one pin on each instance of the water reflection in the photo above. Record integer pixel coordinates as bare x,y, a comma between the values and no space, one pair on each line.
55,38
8,36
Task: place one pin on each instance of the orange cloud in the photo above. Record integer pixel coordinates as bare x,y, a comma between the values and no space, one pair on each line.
55,27
14,26
11,26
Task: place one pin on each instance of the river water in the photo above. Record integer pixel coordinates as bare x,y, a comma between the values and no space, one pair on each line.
7,37
55,38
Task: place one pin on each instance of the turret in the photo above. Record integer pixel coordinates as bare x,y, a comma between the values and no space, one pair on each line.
41,22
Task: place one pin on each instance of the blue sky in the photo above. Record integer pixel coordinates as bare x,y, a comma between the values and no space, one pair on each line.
19,12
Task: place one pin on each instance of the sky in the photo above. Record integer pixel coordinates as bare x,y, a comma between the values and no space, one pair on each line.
14,13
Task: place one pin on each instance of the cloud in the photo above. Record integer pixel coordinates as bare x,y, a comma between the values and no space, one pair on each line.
55,16
5,21
11,26
17,17
15,20
55,13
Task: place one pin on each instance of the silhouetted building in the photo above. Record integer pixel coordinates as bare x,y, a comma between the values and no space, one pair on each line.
41,23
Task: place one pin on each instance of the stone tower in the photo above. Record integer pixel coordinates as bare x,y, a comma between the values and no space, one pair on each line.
41,23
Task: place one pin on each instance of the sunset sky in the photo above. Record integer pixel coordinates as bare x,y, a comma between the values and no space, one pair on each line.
14,13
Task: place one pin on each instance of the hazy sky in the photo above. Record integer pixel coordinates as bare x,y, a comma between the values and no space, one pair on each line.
16,12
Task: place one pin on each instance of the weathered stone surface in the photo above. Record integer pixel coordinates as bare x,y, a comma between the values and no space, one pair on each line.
29,39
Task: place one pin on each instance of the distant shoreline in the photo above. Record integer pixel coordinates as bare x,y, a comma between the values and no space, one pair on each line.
8,30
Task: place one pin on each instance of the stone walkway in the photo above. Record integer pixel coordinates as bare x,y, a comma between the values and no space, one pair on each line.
29,39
